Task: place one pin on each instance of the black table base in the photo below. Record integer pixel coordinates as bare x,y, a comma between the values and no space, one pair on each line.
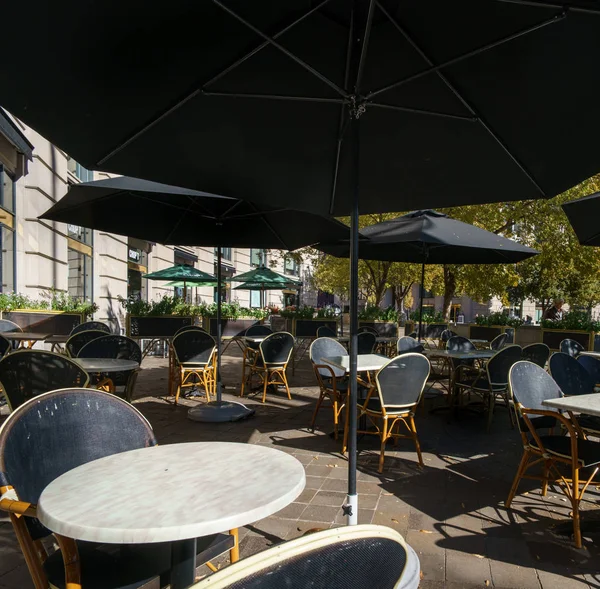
183,563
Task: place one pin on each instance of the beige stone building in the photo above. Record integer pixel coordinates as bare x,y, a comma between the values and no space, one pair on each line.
40,255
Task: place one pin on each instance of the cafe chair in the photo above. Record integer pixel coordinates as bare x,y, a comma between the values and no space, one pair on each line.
189,328
571,347
536,353
339,558
367,341
91,326
251,349
271,363
413,334
492,380
367,329
446,335
333,384
50,435
25,374
5,346
406,344
195,362
80,339
499,341
7,326
592,367
563,457
461,368
393,400
325,331
117,347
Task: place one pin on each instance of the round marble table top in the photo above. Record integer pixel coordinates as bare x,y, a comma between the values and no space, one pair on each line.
168,493
106,364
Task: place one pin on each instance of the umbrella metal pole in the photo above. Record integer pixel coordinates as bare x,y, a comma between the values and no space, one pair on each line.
351,507
421,301
219,392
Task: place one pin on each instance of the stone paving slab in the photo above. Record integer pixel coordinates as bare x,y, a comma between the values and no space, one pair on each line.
451,511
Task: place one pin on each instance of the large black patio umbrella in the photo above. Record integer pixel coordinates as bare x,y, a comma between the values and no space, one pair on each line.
430,237
332,106
174,215
584,216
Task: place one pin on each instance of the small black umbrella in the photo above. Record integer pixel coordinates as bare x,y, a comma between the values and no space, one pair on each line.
430,237
584,215
174,215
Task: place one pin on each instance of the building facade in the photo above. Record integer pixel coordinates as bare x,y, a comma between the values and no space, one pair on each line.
39,256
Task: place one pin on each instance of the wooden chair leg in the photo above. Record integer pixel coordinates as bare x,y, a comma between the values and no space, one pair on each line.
285,383
384,433
316,411
520,471
546,474
265,384
575,498
346,427
179,384
413,429
491,405
335,418
234,553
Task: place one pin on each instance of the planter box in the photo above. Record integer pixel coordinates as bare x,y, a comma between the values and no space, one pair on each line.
155,327
431,330
308,327
528,334
52,322
383,328
553,337
279,323
229,327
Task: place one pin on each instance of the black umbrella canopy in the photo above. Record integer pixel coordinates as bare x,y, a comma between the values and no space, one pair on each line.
174,215
584,216
459,102
430,237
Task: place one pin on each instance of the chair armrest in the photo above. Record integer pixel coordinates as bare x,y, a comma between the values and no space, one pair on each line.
18,507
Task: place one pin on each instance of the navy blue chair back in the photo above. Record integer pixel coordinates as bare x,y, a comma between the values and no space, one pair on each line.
446,335
118,347
592,366
458,343
571,347
366,342
536,353
500,364
91,326
499,342
194,347
325,331
80,339
326,347
367,329
408,344
25,374
401,381
259,330
570,375
5,346
277,348
531,385
189,328
7,326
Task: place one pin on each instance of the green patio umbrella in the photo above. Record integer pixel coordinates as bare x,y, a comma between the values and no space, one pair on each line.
262,279
183,273
182,284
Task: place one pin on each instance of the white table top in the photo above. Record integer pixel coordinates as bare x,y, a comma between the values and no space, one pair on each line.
28,336
106,364
172,492
474,355
589,404
366,362
255,339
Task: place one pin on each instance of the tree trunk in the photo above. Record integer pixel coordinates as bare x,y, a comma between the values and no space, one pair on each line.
449,291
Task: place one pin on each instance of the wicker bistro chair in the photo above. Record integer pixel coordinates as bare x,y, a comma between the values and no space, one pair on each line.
367,329
25,374
118,347
7,326
50,435
530,385
325,331
367,341
571,347
333,384
189,328
537,353
492,380
91,326
407,344
445,336
80,339
271,364
195,362
352,556
251,349
499,341
5,346
394,399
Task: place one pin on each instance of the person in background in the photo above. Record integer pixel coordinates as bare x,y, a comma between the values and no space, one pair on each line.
555,312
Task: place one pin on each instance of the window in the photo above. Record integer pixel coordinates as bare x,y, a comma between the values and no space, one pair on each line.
80,274
78,170
258,257
80,233
291,267
7,190
225,253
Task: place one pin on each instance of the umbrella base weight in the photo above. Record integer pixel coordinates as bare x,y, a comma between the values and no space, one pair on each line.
219,412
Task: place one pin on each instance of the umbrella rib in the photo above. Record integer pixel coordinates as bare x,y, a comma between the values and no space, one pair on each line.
246,57
274,97
436,68
285,51
581,9
343,122
467,105
270,228
364,46
420,111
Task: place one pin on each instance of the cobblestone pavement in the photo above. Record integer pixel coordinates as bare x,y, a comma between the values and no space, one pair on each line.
451,512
